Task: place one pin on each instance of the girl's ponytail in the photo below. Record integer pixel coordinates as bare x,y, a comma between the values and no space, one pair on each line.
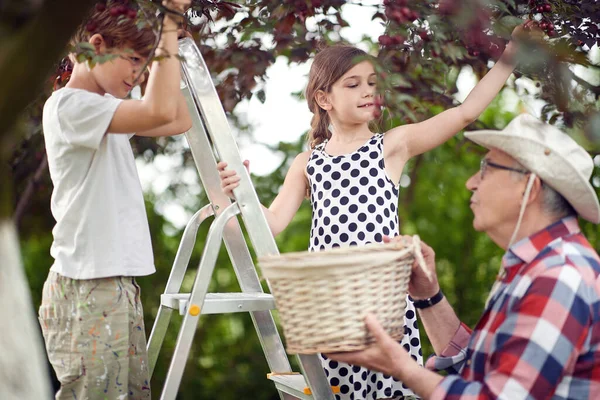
319,128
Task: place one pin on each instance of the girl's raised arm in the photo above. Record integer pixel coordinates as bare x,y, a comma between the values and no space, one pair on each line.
415,139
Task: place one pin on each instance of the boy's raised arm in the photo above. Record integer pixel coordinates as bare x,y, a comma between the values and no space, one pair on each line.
157,107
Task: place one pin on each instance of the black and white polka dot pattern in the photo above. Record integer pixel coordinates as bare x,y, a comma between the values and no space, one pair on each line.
354,203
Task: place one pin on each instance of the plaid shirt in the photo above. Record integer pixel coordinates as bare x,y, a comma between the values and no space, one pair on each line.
539,337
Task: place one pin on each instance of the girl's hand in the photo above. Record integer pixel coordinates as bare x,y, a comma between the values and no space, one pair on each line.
529,30
229,178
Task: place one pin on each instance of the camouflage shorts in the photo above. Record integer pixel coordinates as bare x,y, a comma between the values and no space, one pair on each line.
95,339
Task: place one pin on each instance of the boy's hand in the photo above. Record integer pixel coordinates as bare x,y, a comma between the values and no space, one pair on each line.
229,178
177,5
183,33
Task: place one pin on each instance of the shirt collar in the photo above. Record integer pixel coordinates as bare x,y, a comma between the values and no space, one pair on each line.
527,249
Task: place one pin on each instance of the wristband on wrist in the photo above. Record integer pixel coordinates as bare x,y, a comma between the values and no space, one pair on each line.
426,303
176,16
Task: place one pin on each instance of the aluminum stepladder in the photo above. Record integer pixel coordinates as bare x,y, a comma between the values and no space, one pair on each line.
209,136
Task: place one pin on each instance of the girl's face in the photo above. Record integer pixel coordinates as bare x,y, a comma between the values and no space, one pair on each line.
118,75
351,97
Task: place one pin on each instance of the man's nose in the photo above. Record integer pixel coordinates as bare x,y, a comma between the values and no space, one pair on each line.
473,182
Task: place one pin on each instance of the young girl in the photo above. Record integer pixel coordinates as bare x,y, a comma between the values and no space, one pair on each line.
91,315
352,176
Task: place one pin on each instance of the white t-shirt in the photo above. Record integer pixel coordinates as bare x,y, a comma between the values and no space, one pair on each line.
101,224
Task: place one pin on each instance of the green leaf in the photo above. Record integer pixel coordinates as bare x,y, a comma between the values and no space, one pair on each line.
261,96
398,80
85,46
505,25
81,57
593,129
501,5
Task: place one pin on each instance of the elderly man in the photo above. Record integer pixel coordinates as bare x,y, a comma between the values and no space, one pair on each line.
539,335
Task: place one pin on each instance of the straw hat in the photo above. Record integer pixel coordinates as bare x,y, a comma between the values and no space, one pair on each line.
552,155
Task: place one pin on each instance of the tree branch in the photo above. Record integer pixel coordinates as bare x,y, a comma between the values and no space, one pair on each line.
584,83
25,198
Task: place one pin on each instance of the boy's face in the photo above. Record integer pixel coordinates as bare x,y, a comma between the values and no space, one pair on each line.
118,75
351,97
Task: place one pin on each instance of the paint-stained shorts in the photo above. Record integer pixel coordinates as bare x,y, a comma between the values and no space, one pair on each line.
95,339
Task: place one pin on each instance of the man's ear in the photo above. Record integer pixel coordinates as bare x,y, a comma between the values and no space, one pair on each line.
536,190
323,100
98,42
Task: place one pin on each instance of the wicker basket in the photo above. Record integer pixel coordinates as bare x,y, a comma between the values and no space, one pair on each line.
323,297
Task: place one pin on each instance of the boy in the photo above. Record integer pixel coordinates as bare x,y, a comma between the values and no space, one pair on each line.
91,315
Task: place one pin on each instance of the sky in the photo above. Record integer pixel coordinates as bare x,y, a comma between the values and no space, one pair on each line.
283,117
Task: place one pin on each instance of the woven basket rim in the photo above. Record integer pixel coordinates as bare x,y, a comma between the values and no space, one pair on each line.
341,257
337,251
366,260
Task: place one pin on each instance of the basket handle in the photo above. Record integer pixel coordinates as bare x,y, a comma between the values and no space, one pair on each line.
419,256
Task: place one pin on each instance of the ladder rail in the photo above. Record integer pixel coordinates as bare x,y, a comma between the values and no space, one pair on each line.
182,259
213,115
198,294
235,242
206,164
186,247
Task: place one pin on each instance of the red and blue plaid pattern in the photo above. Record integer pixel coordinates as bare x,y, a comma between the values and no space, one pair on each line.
539,337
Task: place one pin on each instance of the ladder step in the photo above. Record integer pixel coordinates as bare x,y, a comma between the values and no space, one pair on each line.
221,303
293,383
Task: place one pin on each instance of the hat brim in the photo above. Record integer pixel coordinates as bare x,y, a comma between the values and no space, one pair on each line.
561,175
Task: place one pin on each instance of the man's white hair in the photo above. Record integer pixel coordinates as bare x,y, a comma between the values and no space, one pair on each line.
552,202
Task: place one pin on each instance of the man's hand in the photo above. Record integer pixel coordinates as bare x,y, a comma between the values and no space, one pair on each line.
385,355
420,285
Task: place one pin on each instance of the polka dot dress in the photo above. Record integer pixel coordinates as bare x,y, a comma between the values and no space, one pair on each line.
354,203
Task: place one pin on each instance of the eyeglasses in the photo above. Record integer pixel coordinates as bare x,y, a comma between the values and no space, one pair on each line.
485,163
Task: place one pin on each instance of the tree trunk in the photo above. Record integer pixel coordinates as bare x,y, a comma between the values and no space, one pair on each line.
23,372
27,54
